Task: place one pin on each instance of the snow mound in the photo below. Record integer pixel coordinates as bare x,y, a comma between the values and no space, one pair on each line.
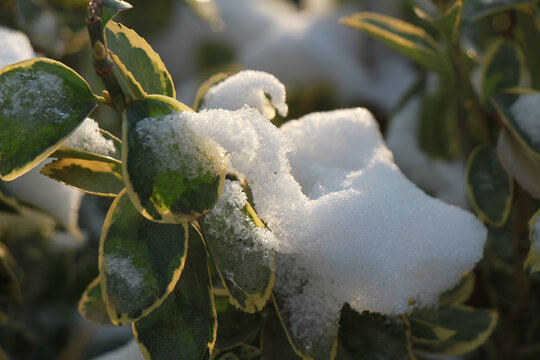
88,138
15,47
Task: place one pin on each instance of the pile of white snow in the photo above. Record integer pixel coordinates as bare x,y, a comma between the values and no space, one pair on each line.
87,137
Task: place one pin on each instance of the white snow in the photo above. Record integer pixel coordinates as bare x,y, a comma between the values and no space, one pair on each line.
349,226
248,88
526,111
166,136
123,267
15,47
88,138
444,179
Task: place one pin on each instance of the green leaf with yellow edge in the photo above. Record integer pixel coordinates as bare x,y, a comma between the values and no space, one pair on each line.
504,104
172,174
525,32
447,23
130,86
401,36
92,306
472,326
9,284
184,326
235,326
203,89
275,344
93,177
489,187
234,236
42,102
532,263
503,67
425,332
459,293
140,261
324,347
139,59
72,153
520,162
438,133
372,336
111,8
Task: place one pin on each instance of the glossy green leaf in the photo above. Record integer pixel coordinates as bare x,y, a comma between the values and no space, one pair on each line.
140,60
438,133
233,236
92,306
235,326
520,162
129,85
372,336
532,263
503,67
111,8
489,187
504,104
401,36
472,327
170,178
9,284
203,89
90,176
184,326
459,293
275,344
140,261
42,102
324,347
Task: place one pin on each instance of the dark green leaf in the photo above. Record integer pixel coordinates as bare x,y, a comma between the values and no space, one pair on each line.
489,187
111,8
520,162
140,261
184,325
526,32
240,352
235,326
93,177
532,263
170,178
324,347
92,306
233,236
139,59
275,344
472,327
438,126
401,36
477,10
425,332
372,336
459,293
502,68
42,102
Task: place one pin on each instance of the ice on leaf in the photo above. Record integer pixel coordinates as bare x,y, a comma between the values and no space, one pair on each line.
349,226
248,88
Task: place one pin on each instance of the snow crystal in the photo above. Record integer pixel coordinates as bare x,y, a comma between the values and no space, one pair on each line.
166,136
57,199
526,111
87,137
444,179
360,232
248,88
14,46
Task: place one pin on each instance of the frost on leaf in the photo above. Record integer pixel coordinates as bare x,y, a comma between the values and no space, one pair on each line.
248,88
349,226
